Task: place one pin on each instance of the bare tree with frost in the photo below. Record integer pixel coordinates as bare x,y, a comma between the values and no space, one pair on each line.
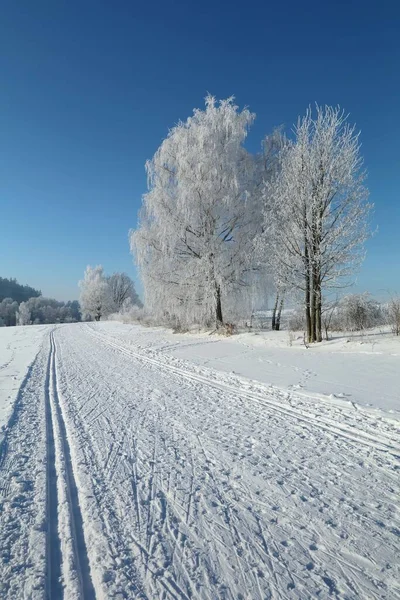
122,289
316,211
194,241
95,299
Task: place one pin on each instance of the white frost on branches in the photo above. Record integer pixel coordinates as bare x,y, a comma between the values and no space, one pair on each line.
102,295
219,224
95,298
23,315
122,291
316,211
194,241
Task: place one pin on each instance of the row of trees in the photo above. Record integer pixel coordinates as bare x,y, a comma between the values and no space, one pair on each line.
103,295
220,226
40,310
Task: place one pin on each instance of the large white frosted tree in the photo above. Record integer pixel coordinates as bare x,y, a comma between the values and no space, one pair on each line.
194,241
316,211
95,298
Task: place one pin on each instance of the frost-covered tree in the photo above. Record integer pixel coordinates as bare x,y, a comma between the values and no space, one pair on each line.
316,211
122,289
8,311
95,298
195,237
23,314
393,314
73,311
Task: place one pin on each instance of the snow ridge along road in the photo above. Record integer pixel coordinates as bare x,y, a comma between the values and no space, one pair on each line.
127,473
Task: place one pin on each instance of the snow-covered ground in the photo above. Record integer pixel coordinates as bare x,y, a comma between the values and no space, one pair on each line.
142,464
18,348
356,368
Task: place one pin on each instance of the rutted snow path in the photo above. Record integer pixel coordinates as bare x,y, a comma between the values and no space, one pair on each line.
126,473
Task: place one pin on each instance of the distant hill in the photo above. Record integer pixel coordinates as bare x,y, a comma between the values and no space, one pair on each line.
10,288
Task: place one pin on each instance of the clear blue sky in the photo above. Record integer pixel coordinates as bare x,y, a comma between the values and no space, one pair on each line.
90,88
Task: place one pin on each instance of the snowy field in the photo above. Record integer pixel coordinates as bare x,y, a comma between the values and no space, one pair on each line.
141,464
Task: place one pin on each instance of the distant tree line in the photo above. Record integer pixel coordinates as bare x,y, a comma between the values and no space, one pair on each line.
24,305
101,297
40,311
10,288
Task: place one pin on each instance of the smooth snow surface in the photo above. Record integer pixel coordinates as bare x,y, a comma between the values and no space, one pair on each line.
127,472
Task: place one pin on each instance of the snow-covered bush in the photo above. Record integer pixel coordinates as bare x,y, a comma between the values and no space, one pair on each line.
297,320
357,312
129,313
393,314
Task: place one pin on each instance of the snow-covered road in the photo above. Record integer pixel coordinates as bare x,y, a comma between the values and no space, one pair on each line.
126,472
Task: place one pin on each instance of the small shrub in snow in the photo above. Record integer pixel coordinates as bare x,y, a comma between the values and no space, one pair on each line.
359,312
297,320
393,311
129,313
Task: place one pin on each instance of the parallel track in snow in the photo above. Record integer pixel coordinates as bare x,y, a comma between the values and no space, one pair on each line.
129,473
53,545
197,490
62,470
380,442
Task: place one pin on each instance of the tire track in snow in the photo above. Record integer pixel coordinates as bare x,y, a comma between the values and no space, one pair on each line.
81,560
382,443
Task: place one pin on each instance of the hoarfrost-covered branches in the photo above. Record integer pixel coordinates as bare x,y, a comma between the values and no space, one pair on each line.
194,241
122,290
102,296
316,211
219,224
95,298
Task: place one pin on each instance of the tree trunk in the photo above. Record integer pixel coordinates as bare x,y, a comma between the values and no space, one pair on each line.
318,312
312,309
307,282
218,311
278,318
273,323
